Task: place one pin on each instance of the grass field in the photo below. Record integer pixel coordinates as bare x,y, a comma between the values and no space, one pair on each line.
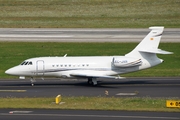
90,103
89,13
13,53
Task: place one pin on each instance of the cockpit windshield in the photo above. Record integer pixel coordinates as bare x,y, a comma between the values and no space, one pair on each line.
26,63
22,63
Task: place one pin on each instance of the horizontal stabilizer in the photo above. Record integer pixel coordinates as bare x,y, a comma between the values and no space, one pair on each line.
156,51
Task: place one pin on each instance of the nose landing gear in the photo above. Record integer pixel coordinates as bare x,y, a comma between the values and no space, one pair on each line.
32,81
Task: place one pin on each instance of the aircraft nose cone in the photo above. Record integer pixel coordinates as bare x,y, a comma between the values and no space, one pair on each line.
9,71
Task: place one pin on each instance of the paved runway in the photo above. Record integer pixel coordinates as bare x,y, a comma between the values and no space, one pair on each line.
131,87
42,114
83,35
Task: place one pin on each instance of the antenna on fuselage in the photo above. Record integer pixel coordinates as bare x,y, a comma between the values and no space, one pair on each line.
65,55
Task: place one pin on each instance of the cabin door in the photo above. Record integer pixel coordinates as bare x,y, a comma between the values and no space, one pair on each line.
40,68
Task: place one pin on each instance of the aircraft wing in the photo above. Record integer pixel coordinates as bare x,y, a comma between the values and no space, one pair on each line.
94,76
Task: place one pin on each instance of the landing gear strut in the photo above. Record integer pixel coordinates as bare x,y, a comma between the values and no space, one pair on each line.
32,81
92,81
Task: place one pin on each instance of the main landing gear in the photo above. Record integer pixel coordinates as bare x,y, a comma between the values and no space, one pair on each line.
92,81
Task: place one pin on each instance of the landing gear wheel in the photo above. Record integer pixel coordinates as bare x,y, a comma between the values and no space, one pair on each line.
92,81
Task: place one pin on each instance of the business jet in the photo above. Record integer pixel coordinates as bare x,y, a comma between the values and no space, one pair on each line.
143,56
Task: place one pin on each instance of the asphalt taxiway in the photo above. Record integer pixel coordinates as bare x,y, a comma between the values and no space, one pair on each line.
42,114
130,87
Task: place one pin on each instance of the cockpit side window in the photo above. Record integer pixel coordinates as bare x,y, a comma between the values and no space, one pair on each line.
30,63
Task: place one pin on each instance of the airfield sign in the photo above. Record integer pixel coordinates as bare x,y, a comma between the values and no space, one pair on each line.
173,103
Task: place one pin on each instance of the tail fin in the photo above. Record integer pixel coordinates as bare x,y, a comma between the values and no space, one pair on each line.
149,44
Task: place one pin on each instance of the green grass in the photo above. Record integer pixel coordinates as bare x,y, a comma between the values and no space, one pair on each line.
89,13
90,103
13,53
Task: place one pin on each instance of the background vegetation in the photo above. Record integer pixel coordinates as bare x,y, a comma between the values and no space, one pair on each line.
89,13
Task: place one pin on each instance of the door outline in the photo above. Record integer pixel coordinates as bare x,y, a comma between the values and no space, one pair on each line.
40,68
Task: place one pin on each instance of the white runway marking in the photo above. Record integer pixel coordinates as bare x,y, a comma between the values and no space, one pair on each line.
126,94
38,36
20,112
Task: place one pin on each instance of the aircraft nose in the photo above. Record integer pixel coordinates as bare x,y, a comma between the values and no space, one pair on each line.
11,71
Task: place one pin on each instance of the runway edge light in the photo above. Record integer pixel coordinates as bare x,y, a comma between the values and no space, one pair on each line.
173,103
58,99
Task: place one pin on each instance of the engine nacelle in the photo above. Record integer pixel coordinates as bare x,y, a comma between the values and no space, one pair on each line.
126,62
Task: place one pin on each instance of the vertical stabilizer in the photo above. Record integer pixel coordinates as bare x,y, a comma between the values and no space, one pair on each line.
149,44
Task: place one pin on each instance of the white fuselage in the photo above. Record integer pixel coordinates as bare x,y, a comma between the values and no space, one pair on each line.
65,66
